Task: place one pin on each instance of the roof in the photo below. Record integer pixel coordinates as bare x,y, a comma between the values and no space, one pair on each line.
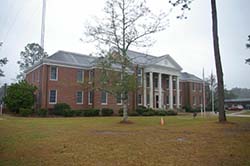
146,59
189,77
72,58
88,61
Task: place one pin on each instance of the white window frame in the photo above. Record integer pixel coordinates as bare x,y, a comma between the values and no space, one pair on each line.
80,81
139,103
56,74
121,100
55,97
77,97
106,103
167,83
89,98
91,75
194,100
174,84
193,87
139,75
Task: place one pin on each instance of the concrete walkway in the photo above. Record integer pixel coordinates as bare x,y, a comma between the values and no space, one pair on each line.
239,114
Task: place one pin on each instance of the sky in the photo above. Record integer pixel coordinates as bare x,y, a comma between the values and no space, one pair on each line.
188,41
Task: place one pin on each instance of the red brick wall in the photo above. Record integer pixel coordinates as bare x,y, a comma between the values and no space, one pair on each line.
67,86
188,93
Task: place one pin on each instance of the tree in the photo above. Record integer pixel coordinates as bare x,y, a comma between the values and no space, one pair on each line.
19,95
185,6
3,61
248,46
33,53
126,23
229,94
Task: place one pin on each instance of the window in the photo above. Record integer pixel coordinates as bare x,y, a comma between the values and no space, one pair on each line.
167,99
139,80
139,77
194,100
174,83
156,82
180,100
193,86
80,76
174,99
139,71
52,96
139,99
119,98
91,75
53,72
167,83
104,97
200,87
200,98
148,99
147,80
79,97
90,97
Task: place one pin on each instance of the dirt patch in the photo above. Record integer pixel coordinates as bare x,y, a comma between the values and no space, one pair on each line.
109,132
126,122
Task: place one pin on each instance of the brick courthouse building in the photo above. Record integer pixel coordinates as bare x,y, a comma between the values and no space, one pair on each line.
67,77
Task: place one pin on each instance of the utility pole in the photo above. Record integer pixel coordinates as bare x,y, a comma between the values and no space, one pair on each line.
43,24
212,91
204,93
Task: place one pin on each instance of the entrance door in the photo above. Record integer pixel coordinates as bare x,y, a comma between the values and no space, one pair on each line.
157,101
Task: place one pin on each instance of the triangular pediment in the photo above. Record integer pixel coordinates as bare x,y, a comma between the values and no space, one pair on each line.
167,61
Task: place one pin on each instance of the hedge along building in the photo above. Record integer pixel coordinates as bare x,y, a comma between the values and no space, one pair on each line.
67,77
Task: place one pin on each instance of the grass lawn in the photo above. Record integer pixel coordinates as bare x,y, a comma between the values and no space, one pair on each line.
103,141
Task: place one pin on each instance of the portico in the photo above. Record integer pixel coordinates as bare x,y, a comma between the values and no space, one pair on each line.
161,87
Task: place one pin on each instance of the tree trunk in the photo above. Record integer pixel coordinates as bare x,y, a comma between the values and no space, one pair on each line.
125,111
222,116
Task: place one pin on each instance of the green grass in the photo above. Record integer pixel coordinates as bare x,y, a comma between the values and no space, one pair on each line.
103,141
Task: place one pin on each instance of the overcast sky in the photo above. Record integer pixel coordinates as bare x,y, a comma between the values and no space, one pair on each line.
188,41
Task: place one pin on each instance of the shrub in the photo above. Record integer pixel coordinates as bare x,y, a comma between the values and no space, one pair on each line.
42,112
77,112
91,112
171,112
187,108
141,109
68,113
107,112
149,112
60,108
19,95
120,112
25,111
161,112
133,114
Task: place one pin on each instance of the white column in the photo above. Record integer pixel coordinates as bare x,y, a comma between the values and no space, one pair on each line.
170,92
145,89
151,99
160,90
178,92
